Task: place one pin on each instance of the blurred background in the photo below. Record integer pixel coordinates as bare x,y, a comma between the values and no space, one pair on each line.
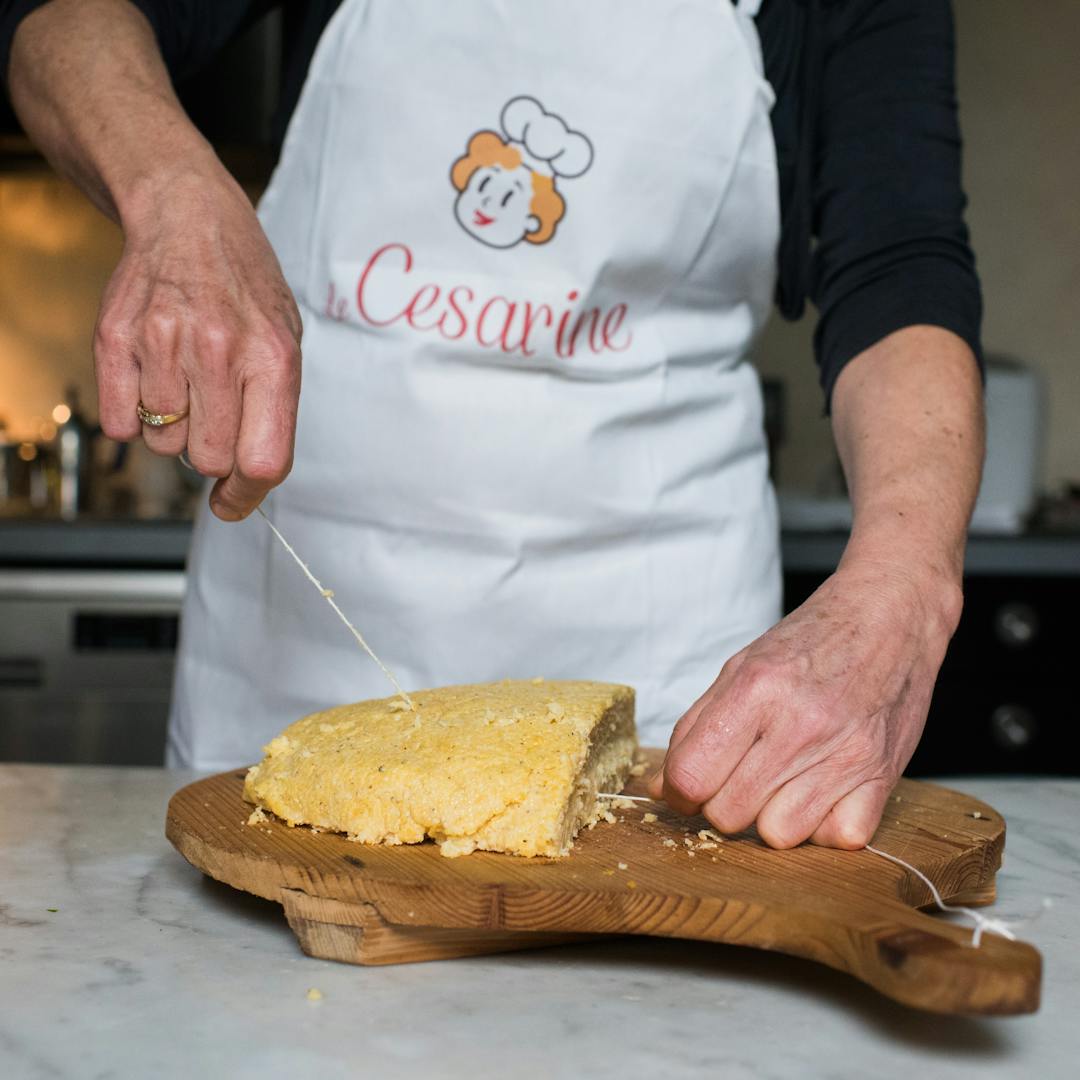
93,537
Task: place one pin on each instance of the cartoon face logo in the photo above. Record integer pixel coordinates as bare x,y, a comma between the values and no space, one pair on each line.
507,184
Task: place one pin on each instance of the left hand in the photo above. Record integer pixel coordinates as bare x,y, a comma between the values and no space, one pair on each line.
807,729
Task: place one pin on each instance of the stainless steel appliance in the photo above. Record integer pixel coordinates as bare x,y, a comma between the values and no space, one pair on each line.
86,662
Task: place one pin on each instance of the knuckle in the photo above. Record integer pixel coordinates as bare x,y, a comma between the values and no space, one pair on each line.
112,338
266,469
215,340
283,342
779,834
688,779
284,358
726,818
160,327
815,724
756,677
852,835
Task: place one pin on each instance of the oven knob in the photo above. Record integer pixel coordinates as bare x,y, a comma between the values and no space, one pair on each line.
1013,726
1016,625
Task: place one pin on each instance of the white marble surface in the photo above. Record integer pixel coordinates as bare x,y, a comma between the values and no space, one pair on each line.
149,970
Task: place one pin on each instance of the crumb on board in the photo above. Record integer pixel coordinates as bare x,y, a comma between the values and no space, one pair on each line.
608,816
688,842
668,842
623,866
649,818
631,884
691,854
609,873
637,770
621,804
709,834
977,814
257,817
706,845
314,994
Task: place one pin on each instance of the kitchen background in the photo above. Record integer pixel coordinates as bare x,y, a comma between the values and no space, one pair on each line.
87,609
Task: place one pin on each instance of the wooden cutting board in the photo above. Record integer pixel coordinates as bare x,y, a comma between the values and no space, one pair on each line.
851,910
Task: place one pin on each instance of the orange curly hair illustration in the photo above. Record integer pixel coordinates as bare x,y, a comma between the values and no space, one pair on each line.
485,149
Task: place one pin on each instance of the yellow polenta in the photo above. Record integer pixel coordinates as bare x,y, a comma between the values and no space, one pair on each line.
509,766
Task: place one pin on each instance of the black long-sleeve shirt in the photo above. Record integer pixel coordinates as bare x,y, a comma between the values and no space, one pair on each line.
867,141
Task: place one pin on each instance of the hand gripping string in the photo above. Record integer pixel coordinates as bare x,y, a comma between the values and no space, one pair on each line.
982,922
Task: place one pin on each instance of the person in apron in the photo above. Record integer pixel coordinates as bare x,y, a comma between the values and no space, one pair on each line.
532,252
530,440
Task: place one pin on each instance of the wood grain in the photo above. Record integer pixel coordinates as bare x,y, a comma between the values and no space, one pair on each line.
853,911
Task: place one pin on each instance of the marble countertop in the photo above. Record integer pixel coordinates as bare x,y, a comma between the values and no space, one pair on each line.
146,968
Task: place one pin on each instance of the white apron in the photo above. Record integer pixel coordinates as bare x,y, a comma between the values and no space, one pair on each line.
532,245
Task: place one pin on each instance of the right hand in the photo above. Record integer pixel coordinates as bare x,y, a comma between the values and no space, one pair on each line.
198,316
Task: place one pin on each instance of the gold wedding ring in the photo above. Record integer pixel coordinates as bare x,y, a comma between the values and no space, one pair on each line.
155,419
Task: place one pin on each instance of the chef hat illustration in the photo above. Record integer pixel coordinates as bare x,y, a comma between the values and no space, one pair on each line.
546,144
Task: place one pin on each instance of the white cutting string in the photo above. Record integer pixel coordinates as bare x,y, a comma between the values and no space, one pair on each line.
328,596
983,924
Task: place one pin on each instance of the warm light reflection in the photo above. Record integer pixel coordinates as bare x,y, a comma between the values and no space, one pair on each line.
61,414
46,431
27,451
56,255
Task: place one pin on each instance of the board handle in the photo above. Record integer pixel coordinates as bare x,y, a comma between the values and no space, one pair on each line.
922,960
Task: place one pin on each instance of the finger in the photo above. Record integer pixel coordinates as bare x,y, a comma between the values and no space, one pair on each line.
655,784
264,447
686,722
163,385
763,771
701,764
117,374
214,423
853,820
792,812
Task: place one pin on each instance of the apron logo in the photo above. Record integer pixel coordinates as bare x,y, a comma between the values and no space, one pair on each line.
507,184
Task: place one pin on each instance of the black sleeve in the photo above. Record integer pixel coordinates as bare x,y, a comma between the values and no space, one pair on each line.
189,32
892,248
